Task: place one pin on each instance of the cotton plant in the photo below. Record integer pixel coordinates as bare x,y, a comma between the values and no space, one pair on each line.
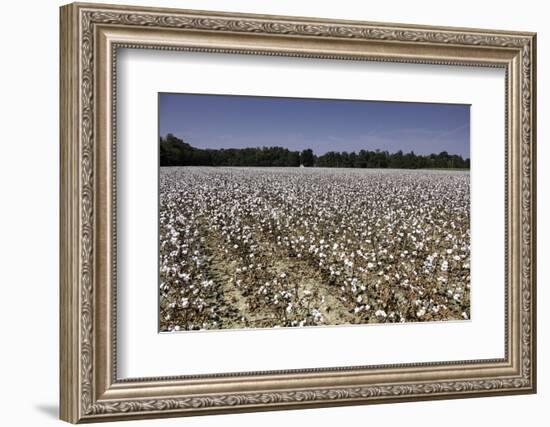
251,247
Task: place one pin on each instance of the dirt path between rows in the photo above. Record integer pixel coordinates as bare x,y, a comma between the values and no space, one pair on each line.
222,270
306,277
309,279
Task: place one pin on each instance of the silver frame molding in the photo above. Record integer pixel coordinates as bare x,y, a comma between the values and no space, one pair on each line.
90,37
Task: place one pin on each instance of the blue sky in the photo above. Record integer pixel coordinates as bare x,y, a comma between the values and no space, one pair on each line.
218,121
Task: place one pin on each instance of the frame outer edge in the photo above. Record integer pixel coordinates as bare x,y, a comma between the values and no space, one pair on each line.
69,355
533,208
305,19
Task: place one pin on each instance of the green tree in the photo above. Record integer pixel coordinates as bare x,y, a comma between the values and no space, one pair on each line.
306,157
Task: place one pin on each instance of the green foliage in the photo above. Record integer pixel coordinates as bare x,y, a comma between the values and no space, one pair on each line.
398,160
307,158
175,152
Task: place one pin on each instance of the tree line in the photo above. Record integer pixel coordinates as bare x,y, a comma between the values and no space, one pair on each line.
175,152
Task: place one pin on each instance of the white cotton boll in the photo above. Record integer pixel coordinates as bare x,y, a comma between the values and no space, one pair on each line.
326,227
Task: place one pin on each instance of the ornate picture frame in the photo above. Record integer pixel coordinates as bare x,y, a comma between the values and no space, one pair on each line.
90,37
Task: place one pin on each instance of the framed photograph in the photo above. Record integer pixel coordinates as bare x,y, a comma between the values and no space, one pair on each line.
267,212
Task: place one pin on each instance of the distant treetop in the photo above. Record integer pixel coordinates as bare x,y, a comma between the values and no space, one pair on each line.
175,152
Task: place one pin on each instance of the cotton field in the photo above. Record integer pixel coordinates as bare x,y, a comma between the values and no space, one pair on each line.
280,247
